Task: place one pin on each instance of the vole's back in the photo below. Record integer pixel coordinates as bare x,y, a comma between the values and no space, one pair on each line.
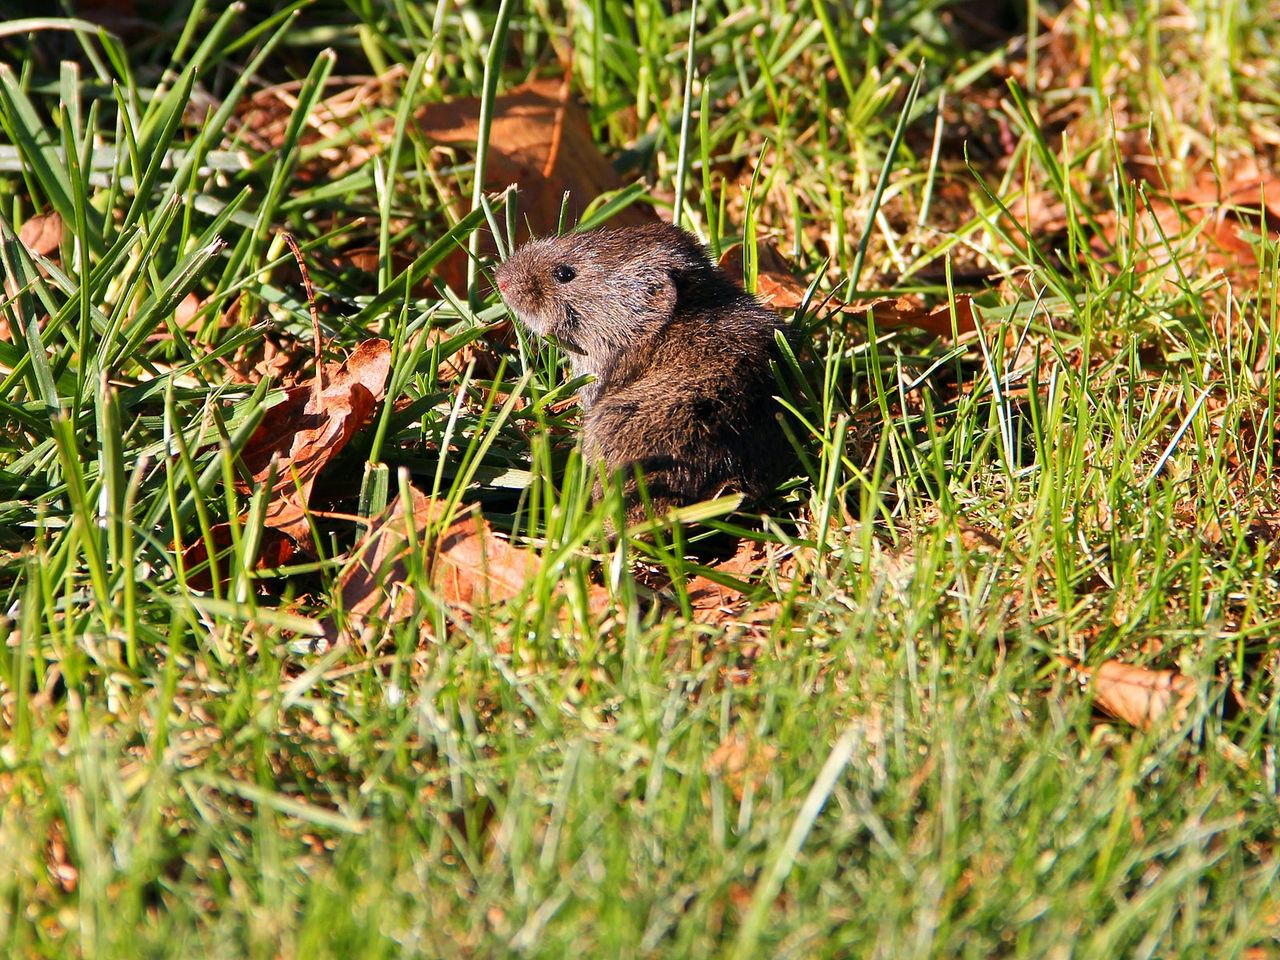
692,405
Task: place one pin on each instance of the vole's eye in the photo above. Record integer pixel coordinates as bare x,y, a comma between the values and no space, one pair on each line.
563,273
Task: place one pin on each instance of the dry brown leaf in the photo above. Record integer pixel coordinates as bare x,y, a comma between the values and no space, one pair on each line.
739,762
779,289
541,140
776,286
1138,695
910,311
305,432
62,867
275,355
302,435
714,602
470,567
374,586
1252,196
1217,214
336,125
186,311
275,550
42,234
479,352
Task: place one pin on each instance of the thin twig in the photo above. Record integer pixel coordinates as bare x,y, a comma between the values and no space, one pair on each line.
311,305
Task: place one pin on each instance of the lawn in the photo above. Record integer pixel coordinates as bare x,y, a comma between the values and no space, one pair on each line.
316,642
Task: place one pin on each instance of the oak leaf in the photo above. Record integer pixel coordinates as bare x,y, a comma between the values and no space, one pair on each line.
540,139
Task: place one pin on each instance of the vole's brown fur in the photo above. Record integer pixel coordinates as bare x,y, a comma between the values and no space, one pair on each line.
680,355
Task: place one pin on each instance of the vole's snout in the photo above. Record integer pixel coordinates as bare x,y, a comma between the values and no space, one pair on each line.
511,282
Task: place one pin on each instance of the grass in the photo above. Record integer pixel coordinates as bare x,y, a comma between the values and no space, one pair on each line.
891,760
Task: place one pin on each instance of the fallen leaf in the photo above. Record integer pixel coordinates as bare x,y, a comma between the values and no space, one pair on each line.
274,550
779,289
910,311
303,434
541,140
715,602
740,762
776,286
1251,196
42,234
470,568
1138,695
1203,226
186,311
375,584
337,127
298,438
479,352
61,866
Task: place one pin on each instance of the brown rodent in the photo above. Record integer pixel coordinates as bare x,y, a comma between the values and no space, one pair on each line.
680,355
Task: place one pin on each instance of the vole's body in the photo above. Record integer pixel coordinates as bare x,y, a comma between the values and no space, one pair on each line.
680,354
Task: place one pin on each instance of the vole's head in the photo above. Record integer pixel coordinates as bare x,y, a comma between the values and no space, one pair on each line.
596,292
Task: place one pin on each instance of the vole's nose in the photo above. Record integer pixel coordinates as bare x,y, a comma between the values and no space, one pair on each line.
503,282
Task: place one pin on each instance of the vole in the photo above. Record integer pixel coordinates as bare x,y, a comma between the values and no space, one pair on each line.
680,354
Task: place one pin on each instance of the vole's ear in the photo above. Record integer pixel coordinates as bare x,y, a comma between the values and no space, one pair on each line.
659,288
664,292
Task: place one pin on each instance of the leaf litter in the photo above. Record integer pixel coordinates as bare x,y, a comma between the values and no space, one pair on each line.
780,289
471,569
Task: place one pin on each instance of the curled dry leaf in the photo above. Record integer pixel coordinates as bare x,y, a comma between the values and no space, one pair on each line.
469,567
41,235
740,762
779,289
1210,222
1138,695
61,864
479,352
718,603
301,436
540,140
375,585
186,311
274,550
337,126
